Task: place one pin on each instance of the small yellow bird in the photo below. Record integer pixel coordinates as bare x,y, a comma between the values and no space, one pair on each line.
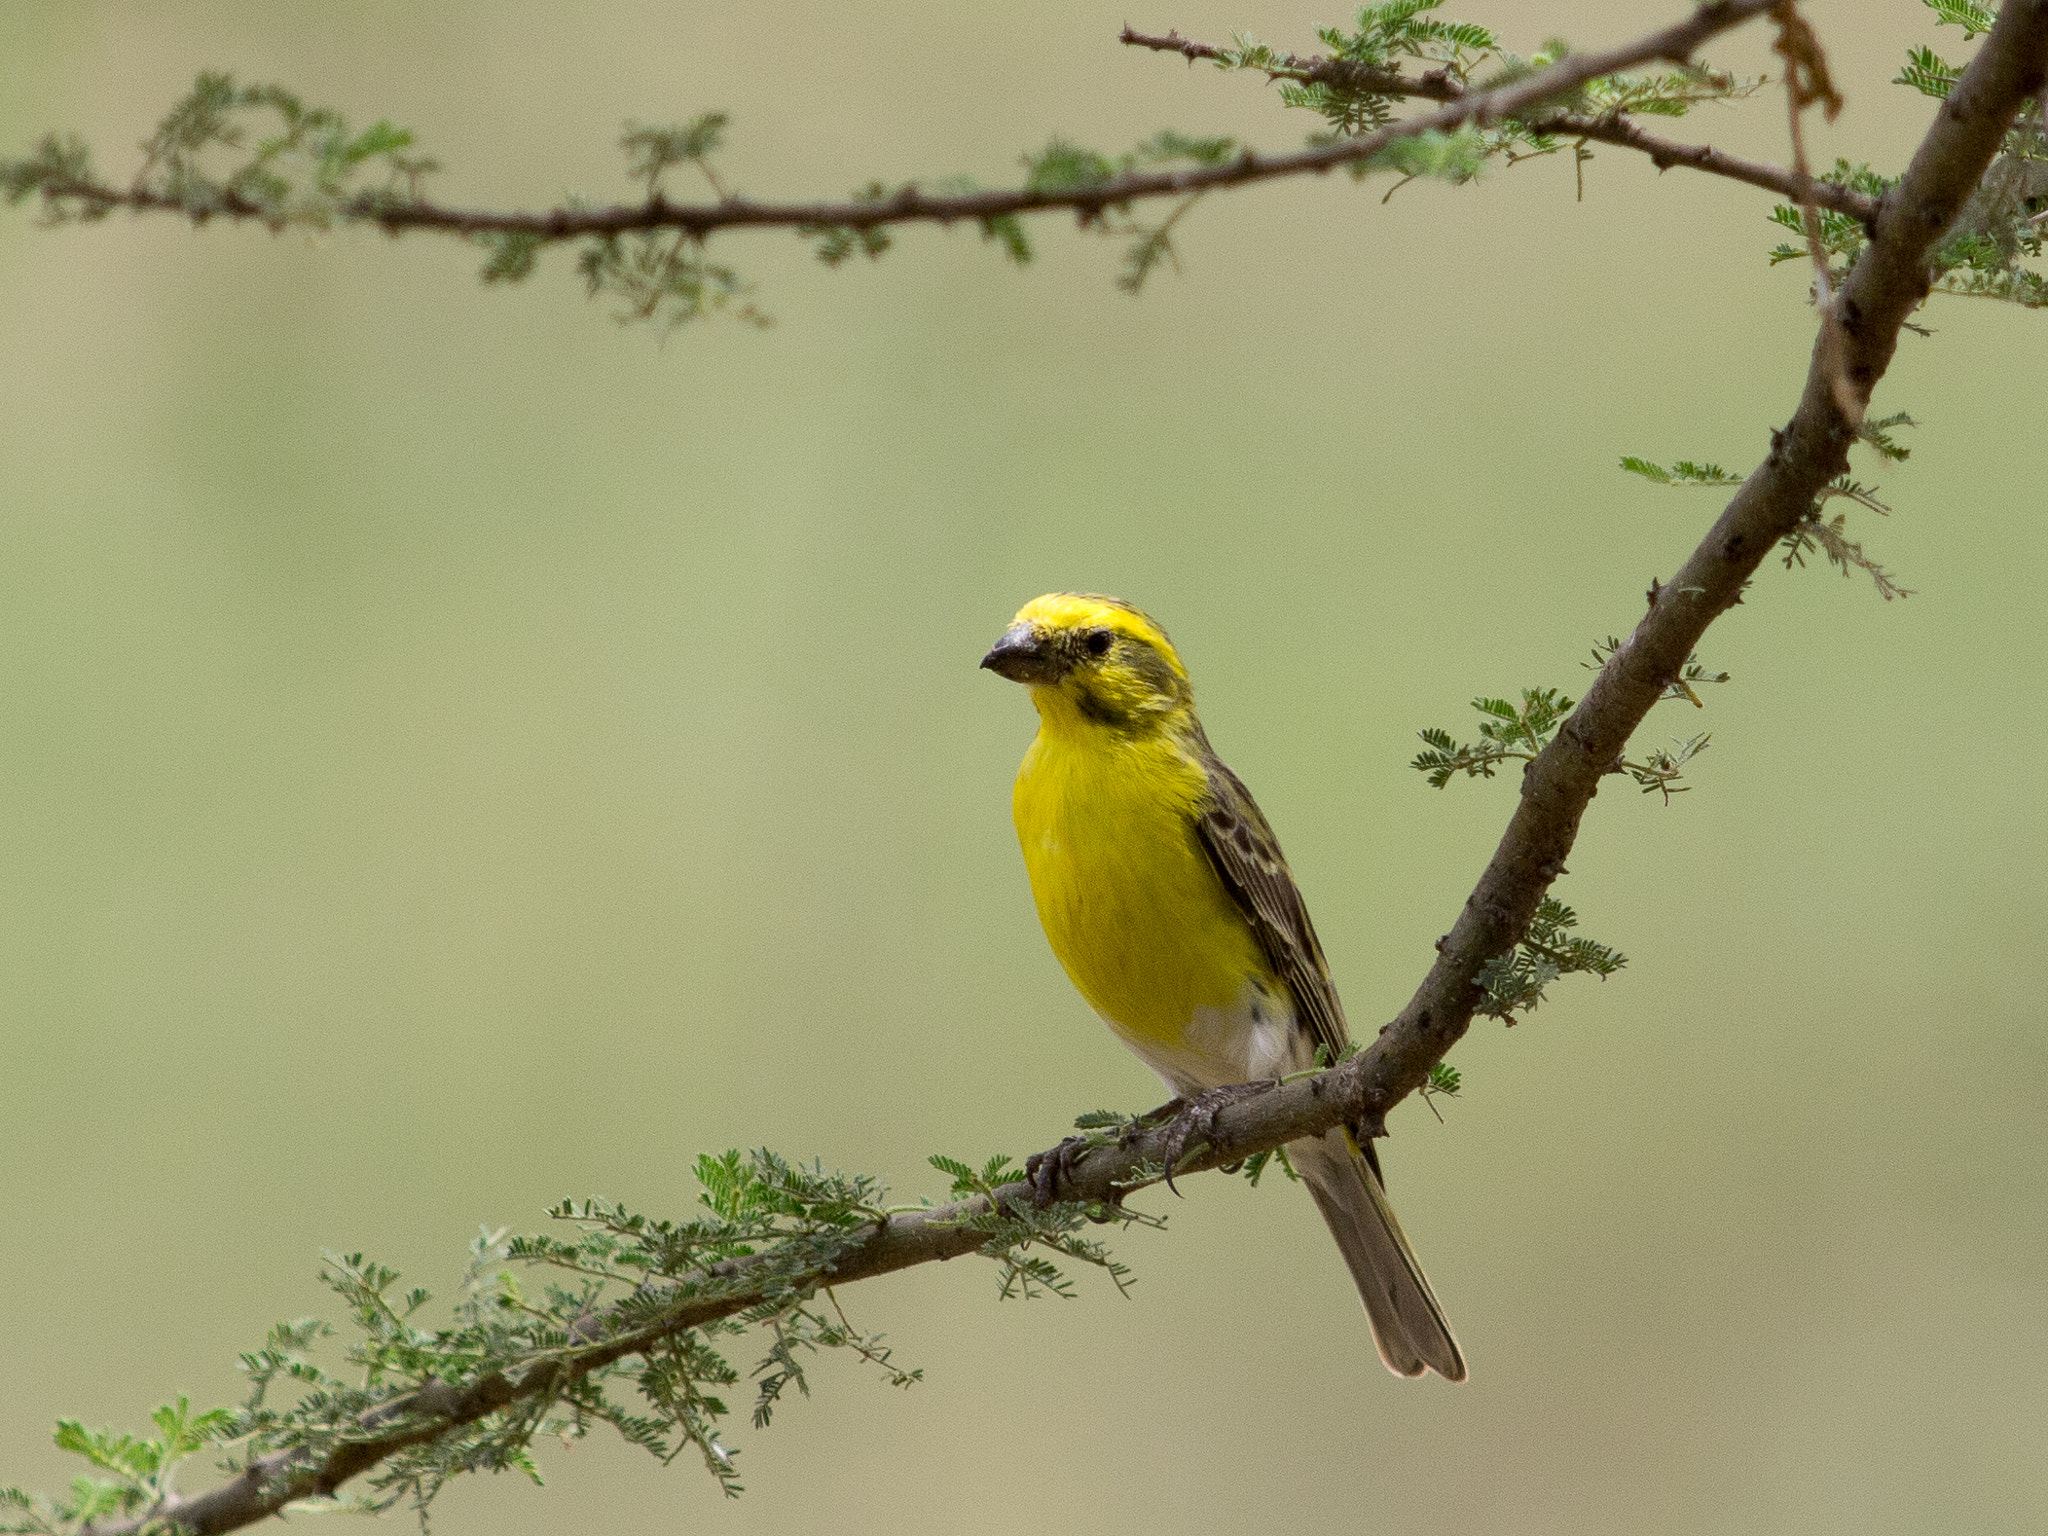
1166,899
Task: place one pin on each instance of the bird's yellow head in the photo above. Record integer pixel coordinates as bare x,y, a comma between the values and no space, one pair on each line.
1090,659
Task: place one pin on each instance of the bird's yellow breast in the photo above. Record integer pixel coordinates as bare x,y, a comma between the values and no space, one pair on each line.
1134,909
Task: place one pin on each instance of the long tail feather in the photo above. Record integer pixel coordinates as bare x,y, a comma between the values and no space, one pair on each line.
1407,1324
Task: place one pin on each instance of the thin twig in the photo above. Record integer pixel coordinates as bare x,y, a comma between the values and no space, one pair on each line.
1436,85
1807,84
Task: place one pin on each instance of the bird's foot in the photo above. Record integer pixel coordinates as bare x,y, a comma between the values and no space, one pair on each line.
1047,1172
1194,1119
1149,1120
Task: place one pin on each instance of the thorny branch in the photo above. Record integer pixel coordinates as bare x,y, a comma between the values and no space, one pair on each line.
1612,128
1888,280
1518,100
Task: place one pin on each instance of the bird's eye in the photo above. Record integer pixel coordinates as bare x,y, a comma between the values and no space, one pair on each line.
1098,642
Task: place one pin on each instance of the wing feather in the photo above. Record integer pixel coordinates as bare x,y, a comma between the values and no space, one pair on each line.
1247,856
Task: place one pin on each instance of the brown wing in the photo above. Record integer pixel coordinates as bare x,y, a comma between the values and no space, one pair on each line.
1247,855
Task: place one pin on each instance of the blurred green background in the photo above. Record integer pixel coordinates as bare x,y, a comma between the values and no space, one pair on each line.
460,753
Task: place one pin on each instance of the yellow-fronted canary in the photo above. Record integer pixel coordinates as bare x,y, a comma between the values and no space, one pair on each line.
1168,902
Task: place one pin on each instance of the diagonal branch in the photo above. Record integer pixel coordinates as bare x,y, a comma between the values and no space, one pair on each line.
1612,128
1888,281
1517,100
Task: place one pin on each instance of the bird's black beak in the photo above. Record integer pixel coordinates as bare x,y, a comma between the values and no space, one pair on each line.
1022,656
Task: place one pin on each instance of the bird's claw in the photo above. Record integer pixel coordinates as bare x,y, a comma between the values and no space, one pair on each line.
1046,1172
1194,1120
1149,1119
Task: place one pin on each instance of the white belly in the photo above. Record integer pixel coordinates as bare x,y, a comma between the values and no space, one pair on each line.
1250,1039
